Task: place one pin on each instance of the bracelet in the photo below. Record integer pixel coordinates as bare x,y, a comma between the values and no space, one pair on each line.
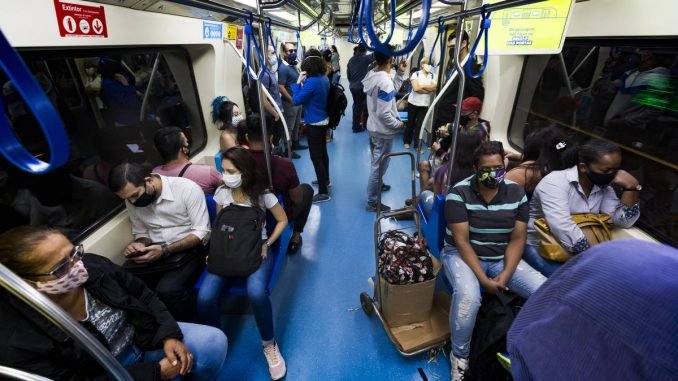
165,251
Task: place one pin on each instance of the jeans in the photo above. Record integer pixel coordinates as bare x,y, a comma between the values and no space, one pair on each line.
317,146
541,264
378,148
292,116
466,293
207,345
415,118
360,113
299,212
209,299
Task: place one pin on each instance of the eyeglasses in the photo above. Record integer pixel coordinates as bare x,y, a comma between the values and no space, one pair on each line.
64,267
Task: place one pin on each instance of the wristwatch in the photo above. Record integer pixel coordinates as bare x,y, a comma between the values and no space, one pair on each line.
633,189
165,251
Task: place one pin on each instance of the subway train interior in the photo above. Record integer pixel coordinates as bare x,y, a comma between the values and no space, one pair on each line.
93,92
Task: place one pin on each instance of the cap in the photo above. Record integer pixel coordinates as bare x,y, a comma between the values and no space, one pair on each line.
471,104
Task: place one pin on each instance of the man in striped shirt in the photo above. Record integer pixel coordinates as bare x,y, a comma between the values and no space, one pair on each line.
487,229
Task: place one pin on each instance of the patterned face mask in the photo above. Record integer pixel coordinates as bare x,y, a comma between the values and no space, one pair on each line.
491,178
76,277
237,119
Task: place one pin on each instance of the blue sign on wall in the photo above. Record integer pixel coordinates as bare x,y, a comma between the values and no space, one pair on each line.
212,31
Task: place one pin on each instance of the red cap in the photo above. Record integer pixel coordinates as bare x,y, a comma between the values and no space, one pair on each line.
471,104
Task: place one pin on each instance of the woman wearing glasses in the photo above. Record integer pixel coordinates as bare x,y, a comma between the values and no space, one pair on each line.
113,305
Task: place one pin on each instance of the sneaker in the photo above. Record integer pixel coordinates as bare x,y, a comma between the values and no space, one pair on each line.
372,207
406,146
408,202
321,197
385,188
276,363
458,368
329,185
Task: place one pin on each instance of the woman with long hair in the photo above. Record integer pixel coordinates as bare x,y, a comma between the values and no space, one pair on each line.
244,185
335,64
226,116
311,91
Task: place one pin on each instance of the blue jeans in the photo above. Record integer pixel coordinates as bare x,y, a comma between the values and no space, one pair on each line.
539,263
378,148
207,344
209,299
466,293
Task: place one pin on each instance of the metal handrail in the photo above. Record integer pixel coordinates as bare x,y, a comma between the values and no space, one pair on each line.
16,374
19,288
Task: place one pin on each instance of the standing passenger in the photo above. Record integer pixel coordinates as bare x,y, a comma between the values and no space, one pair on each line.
335,64
423,85
287,76
585,187
243,185
356,70
311,90
384,124
487,221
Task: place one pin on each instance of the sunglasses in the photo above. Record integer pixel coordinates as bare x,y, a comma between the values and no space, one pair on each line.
292,51
64,267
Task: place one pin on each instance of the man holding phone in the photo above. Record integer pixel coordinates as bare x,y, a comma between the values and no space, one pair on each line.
170,225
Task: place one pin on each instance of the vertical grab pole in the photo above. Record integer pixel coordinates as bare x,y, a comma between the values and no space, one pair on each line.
460,96
260,94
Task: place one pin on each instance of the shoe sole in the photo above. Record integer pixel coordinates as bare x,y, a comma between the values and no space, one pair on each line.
323,200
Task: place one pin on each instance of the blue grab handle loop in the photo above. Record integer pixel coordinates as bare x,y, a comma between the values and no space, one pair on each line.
441,31
43,110
361,37
393,19
411,45
351,30
275,51
251,39
485,24
300,47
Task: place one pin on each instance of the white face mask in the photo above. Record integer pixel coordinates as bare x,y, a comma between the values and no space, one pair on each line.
91,71
237,119
232,181
76,277
428,68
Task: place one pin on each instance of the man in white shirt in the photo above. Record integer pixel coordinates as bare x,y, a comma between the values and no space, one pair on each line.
170,225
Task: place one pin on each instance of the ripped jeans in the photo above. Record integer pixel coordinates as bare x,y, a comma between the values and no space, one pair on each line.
466,293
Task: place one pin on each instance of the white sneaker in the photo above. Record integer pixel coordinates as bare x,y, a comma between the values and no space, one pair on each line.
458,368
276,363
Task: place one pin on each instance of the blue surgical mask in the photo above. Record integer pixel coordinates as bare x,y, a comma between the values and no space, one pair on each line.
272,61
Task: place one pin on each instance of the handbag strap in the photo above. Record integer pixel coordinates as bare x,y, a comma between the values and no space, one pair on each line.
183,170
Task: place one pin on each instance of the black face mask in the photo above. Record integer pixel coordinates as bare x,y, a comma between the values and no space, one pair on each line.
145,199
463,120
600,179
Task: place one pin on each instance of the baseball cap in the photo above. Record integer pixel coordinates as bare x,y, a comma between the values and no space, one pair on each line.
471,104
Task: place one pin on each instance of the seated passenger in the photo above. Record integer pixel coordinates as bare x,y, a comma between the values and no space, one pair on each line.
467,142
487,217
244,185
173,146
297,197
170,225
608,315
542,155
122,313
582,188
226,115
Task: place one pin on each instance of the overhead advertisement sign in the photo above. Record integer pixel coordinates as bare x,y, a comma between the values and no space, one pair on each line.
77,20
537,28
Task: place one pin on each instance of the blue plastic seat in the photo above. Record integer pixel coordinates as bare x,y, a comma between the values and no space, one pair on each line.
433,223
217,162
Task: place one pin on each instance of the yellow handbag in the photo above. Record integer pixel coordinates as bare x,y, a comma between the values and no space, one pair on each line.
596,228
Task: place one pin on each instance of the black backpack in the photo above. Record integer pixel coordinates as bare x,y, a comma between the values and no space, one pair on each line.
336,104
235,244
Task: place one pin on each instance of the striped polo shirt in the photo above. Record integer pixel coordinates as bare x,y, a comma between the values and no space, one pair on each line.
490,225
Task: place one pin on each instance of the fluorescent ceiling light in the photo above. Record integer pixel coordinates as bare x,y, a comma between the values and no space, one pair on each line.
435,8
249,3
284,15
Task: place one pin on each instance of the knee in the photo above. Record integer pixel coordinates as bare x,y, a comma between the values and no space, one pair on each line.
424,166
469,301
256,291
170,290
210,358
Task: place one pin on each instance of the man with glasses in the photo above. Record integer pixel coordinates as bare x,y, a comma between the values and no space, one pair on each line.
170,225
487,228
288,73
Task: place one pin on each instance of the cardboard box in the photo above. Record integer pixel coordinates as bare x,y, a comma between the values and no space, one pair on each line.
409,303
433,332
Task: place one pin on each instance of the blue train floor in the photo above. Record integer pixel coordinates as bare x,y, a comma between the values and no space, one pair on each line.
321,329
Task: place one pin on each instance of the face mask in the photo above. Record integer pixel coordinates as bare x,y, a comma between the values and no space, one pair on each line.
428,68
76,277
145,199
272,61
237,119
600,179
232,181
292,58
90,71
492,178
463,120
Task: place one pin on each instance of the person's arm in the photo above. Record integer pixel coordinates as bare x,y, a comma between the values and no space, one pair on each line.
516,246
272,204
624,212
282,80
518,175
270,109
302,94
553,197
385,99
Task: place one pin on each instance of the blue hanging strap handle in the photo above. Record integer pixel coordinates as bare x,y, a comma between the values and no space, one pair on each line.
300,48
382,47
270,40
485,24
354,20
57,140
361,33
393,20
441,32
249,32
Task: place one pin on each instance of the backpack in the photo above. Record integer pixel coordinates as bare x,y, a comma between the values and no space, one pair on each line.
235,244
336,104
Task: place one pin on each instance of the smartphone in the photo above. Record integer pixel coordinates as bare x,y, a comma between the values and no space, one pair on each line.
136,254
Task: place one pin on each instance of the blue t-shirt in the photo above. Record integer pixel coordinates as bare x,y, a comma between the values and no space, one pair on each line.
287,75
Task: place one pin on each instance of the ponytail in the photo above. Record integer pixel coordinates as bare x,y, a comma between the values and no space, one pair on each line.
589,153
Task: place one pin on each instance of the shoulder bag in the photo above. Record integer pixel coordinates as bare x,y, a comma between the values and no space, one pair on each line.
596,228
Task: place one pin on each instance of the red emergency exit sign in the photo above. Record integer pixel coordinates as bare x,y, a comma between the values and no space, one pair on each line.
77,20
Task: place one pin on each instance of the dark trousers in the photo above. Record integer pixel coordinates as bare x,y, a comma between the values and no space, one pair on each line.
275,128
317,145
359,109
299,212
175,287
415,118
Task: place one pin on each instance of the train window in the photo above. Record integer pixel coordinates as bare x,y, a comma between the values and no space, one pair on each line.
111,101
623,92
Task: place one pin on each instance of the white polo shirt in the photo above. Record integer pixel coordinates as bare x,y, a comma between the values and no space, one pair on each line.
179,211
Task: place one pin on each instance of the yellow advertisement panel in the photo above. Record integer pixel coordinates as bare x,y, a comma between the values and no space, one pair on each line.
537,28
232,32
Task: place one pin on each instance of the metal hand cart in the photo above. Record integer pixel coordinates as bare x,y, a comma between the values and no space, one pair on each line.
430,335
